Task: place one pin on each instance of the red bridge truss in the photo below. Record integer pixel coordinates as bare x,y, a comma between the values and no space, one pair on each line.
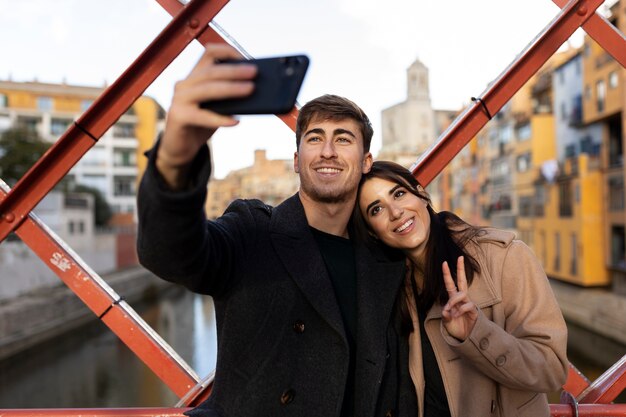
191,21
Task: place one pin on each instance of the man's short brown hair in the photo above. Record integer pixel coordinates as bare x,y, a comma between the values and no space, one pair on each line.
331,107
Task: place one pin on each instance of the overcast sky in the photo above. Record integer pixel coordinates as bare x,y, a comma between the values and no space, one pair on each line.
358,48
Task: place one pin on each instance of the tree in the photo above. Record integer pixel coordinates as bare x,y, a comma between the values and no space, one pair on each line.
20,148
103,210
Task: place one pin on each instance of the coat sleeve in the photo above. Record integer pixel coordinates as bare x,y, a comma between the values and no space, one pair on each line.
529,351
175,240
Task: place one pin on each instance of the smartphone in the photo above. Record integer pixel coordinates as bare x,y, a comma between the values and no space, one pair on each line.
276,87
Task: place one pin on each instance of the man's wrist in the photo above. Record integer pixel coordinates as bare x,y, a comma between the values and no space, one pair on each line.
176,177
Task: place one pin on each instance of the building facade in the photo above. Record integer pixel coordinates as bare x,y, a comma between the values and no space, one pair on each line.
114,164
269,180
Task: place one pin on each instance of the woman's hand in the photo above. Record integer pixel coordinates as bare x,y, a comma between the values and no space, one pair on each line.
459,313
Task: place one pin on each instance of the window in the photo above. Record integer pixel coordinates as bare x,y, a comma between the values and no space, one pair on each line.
523,132
124,186
557,251
124,157
616,193
71,227
525,206
29,123
124,130
85,104
600,95
506,134
540,200
523,162
618,247
613,80
565,199
573,268
563,110
616,151
3,101
44,103
59,126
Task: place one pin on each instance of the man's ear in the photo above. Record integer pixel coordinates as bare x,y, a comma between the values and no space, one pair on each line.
368,160
296,169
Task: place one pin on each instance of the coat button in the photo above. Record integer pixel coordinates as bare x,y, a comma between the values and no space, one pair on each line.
298,326
484,343
501,360
287,396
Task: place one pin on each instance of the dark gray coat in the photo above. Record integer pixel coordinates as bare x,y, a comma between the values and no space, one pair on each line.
282,347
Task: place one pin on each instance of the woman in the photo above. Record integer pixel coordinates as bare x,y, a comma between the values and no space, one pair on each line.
486,335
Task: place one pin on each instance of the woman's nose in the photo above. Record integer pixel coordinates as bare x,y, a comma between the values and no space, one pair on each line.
396,212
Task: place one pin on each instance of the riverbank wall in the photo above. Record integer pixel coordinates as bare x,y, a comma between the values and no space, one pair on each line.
45,313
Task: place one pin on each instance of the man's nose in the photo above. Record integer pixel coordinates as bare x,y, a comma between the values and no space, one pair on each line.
328,150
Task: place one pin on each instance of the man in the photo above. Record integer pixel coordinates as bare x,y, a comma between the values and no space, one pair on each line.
306,321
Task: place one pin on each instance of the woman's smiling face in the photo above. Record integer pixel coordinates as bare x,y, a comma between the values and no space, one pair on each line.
398,217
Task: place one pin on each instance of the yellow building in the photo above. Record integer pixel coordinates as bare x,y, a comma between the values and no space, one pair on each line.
603,104
114,164
270,181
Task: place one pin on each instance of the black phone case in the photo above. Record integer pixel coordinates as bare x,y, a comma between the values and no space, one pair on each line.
277,84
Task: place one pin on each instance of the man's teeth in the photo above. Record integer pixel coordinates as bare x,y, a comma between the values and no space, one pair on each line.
328,170
404,226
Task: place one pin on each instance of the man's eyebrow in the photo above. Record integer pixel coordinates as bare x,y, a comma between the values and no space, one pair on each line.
317,131
340,131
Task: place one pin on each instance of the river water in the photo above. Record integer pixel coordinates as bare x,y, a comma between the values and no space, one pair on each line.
92,368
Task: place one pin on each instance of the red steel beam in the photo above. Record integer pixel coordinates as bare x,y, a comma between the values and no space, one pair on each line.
468,124
603,32
588,410
16,204
96,412
107,305
607,386
556,410
192,20
173,7
576,382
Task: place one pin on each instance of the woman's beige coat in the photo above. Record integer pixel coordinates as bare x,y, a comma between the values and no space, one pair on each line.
517,349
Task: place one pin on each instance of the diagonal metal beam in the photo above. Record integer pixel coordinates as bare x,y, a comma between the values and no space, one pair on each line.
106,304
469,123
16,204
607,386
603,32
102,114
173,7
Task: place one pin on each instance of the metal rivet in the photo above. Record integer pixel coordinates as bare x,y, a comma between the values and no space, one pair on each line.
194,23
9,217
582,10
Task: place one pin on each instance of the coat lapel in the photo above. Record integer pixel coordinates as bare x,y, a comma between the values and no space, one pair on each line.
295,245
378,281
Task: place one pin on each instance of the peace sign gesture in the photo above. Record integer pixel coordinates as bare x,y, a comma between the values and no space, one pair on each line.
459,313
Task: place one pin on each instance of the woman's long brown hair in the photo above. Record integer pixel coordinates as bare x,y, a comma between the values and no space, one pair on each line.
449,235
